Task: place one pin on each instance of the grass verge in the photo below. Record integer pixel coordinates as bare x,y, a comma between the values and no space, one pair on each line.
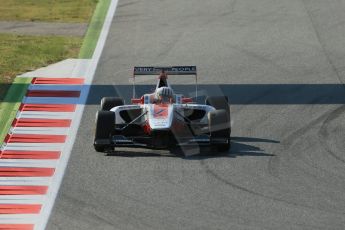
44,10
9,108
94,30
16,92
23,53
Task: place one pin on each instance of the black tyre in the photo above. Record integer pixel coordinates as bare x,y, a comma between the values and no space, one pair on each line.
108,103
219,126
105,125
219,102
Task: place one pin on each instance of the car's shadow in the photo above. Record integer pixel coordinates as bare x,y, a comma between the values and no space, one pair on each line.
239,147
238,94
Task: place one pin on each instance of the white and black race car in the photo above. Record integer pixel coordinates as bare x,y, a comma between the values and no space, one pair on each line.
163,119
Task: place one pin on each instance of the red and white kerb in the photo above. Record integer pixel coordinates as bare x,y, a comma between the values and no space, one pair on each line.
33,147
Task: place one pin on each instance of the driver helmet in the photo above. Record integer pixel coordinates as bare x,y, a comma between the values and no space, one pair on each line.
164,94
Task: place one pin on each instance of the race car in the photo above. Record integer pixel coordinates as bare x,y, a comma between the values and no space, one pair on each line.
163,119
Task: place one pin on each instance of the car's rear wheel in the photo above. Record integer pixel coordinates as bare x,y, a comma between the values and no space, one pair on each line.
105,125
219,126
107,103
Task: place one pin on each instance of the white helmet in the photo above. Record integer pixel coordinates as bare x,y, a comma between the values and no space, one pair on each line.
164,94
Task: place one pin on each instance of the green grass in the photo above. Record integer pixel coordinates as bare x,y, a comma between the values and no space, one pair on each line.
94,30
47,10
24,53
10,106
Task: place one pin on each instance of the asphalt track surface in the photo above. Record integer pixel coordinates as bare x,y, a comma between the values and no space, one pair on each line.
286,168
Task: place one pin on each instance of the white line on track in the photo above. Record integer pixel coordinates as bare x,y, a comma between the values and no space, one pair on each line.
60,170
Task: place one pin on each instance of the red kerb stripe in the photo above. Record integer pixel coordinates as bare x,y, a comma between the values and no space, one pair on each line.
26,172
16,154
58,81
27,122
7,138
52,93
35,138
48,107
23,190
20,208
16,226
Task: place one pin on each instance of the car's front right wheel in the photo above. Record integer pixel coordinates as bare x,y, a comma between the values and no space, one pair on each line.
219,126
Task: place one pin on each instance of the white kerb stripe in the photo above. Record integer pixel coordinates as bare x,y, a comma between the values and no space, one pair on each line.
40,130
57,87
47,207
45,115
44,181
28,163
22,199
33,146
19,218
52,100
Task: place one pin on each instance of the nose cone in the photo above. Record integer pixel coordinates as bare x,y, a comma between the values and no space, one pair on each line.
160,116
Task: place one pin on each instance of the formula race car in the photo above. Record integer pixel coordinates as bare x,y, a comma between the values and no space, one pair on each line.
163,119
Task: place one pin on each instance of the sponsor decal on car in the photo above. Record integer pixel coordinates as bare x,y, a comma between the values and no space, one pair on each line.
160,111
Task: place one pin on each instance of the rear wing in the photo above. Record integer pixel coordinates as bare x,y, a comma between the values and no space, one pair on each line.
170,70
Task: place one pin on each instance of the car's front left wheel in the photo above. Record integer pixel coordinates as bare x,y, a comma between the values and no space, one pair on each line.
105,125
107,103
